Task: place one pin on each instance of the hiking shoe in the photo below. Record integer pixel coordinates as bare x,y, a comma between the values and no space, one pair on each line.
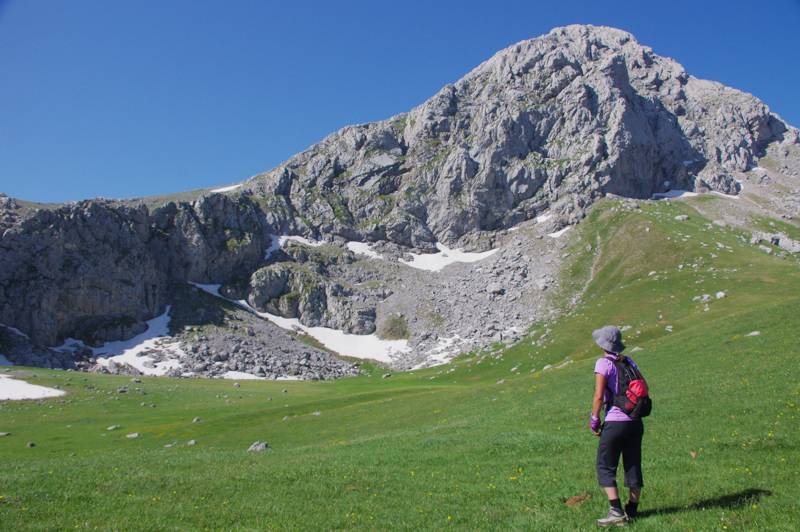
614,518
631,511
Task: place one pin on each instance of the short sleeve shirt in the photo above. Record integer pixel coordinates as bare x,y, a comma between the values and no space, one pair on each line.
604,366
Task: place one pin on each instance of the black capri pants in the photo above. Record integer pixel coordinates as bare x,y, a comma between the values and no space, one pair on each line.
625,438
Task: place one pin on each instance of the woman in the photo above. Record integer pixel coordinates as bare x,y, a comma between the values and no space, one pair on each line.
619,433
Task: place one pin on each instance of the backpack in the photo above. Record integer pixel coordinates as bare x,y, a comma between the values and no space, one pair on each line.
633,397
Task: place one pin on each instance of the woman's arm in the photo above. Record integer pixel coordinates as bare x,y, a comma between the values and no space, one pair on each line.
599,391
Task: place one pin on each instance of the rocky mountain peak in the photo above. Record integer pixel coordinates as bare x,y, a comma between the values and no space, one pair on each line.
550,123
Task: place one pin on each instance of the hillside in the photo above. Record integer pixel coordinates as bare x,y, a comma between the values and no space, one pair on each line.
406,241
495,440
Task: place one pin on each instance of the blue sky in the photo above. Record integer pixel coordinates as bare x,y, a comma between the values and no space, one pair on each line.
125,99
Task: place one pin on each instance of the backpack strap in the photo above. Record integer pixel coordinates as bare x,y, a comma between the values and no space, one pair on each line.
634,372
612,392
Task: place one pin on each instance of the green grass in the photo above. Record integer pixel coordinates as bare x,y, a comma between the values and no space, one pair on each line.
491,441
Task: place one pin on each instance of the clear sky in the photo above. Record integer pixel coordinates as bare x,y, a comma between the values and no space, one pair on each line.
124,99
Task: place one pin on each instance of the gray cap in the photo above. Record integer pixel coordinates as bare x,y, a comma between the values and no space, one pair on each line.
609,338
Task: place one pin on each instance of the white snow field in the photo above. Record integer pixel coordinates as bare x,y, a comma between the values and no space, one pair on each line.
729,196
282,240
278,241
132,351
434,262
675,194
355,345
362,248
14,389
227,189
672,194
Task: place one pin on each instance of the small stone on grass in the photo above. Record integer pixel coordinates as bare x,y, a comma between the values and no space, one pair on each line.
258,447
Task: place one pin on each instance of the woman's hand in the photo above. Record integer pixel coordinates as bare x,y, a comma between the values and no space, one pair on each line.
594,424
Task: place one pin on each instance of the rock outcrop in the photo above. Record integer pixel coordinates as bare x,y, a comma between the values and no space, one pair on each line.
95,270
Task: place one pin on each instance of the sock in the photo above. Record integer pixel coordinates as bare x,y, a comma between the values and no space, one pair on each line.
615,504
631,508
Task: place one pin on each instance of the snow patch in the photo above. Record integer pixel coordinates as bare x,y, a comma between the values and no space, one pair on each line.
15,331
282,240
13,389
362,248
543,217
278,241
559,232
131,352
227,189
355,345
729,196
671,194
274,246
435,262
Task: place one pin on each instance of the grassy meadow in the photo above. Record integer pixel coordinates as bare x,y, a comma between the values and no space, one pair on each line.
496,440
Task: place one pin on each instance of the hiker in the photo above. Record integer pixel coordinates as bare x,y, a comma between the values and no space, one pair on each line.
620,387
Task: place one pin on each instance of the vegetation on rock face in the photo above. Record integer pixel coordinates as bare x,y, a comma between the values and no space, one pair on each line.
234,244
494,440
436,319
394,327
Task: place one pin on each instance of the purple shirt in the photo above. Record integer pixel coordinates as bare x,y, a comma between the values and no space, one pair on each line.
605,367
